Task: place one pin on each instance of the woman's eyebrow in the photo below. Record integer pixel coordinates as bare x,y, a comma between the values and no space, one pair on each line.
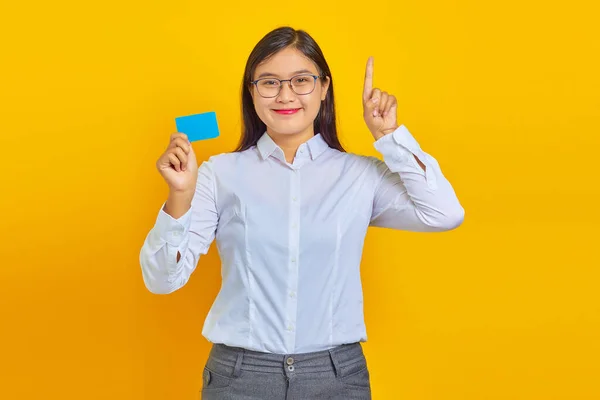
300,71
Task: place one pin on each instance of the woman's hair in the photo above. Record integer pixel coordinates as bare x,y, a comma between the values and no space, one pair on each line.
253,128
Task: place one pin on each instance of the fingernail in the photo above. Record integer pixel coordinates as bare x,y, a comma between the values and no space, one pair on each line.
385,114
375,113
376,100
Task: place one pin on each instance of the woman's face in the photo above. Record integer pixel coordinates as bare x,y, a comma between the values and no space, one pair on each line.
288,113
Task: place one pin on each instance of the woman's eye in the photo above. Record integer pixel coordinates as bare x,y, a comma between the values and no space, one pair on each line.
302,80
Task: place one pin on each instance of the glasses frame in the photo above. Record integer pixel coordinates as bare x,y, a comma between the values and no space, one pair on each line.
315,77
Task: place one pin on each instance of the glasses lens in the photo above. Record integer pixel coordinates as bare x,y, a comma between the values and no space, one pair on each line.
268,87
303,84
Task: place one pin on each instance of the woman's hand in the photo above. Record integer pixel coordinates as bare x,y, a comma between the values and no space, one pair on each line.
178,166
380,108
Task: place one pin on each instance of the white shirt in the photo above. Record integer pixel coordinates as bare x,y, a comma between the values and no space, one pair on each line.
290,237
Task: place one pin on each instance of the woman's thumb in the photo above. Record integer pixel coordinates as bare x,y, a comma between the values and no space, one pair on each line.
191,159
371,106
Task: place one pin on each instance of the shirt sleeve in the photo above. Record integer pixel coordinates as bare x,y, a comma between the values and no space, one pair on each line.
190,235
408,197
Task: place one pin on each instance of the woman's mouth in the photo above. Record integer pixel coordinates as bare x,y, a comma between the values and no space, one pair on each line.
287,111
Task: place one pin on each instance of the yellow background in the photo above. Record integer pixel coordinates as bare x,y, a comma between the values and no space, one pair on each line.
504,95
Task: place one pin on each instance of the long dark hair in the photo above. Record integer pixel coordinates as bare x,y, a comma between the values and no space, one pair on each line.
274,41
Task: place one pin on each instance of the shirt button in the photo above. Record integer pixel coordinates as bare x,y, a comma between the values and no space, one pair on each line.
289,361
294,198
293,259
292,294
294,226
290,328
176,233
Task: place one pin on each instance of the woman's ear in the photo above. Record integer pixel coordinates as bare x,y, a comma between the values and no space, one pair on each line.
325,86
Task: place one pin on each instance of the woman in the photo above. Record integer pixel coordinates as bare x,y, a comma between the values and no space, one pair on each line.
289,210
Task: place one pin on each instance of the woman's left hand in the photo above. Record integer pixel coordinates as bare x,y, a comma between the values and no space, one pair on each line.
380,108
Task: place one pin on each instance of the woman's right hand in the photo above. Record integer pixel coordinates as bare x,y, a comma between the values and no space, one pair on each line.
178,165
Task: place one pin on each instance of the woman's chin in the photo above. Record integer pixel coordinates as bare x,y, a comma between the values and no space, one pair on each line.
288,129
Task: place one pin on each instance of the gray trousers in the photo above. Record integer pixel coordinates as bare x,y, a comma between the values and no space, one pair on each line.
233,373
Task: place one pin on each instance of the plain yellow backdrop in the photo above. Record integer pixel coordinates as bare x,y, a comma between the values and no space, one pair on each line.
505,95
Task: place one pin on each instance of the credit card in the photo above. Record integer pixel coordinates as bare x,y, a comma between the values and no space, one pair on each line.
198,126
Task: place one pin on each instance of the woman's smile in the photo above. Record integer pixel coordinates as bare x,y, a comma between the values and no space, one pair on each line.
287,111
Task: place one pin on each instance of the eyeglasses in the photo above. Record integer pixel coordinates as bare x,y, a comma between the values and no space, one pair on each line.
300,84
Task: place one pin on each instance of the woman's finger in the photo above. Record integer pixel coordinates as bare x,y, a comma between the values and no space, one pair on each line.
376,97
178,135
391,103
175,162
182,157
368,86
383,103
182,143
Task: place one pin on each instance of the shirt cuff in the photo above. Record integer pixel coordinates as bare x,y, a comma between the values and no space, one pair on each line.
173,230
399,148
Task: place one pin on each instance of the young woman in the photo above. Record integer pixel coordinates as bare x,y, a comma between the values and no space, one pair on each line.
289,210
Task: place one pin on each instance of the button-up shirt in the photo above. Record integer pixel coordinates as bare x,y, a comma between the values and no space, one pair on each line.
290,237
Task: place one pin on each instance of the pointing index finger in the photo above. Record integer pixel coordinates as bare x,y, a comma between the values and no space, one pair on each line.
368,80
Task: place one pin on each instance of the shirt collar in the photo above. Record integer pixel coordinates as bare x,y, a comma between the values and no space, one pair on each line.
316,146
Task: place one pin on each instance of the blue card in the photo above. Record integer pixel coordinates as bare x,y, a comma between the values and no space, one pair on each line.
198,126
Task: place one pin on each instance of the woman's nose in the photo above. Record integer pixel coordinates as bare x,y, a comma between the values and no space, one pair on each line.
286,93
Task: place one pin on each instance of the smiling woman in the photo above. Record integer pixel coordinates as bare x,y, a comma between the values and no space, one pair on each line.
299,95
289,210
288,71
